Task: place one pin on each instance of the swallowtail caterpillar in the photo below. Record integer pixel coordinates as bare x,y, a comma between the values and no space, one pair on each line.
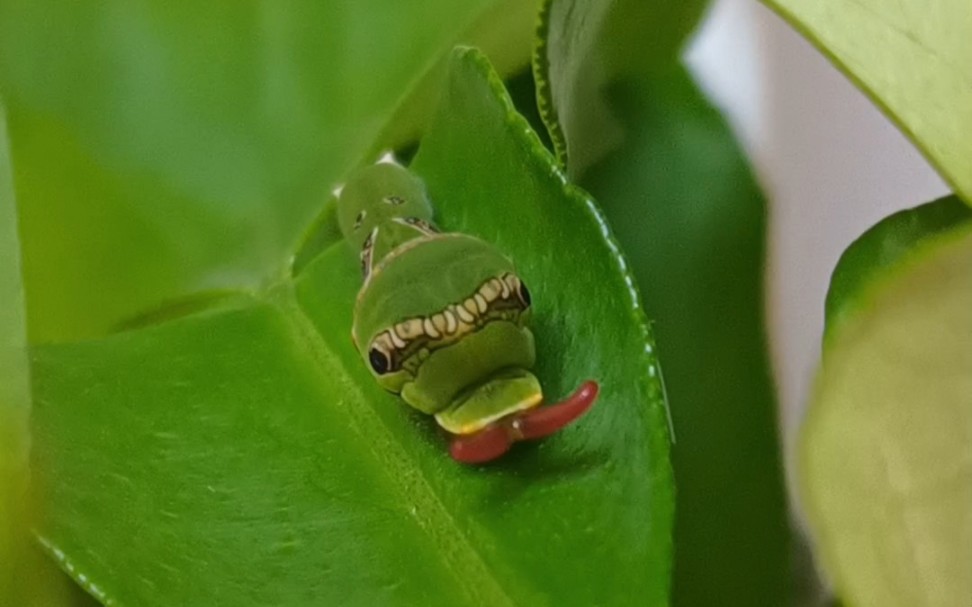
441,319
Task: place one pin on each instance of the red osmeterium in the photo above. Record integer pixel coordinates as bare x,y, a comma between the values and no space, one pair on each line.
544,421
482,446
495,439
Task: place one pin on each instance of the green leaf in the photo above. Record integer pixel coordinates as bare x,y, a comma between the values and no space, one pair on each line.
166,148
884,246
26,578
14,385
504,31
590,45
256,461
686,209
912,59
886,449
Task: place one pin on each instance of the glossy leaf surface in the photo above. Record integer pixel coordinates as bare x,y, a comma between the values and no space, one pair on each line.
256,461
913,58
688,213
886,451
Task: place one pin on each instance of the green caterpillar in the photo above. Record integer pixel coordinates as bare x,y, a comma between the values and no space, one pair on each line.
441,319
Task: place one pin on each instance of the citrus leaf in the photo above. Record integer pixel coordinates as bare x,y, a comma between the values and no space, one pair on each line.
883,246
886,449
913,60
583,48
167,148
26,577
14,386
504,31
256,462
686,209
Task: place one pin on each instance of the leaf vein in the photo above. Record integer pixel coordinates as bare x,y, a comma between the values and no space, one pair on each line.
461,558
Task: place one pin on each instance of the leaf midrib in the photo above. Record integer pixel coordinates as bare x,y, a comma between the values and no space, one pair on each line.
460,557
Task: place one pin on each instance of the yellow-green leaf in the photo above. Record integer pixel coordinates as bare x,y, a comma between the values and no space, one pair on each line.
913,58
27,579
886,451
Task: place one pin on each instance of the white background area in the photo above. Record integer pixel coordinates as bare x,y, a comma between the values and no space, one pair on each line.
831,164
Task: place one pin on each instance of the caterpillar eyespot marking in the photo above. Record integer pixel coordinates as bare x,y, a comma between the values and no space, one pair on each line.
442,320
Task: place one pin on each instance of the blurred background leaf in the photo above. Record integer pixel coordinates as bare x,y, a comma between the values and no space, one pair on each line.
913,59
684,205
505,31
164,148
27,579
583,49
886,450
885,447
883,247
257,462
14,387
